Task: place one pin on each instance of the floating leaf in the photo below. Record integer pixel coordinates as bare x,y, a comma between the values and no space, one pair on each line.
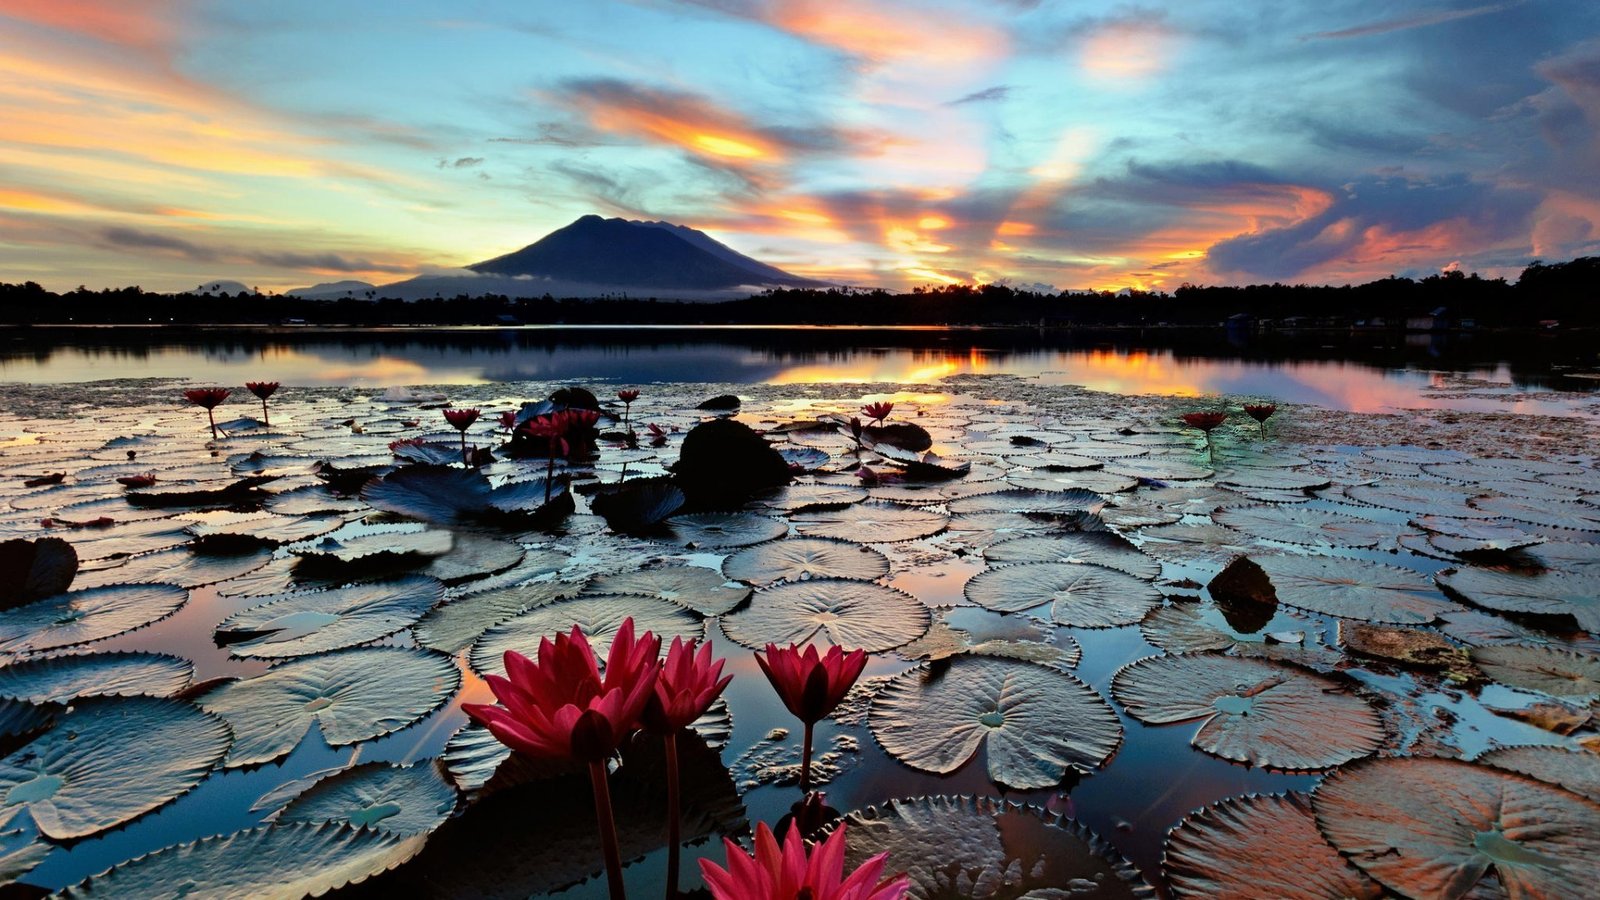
450,496
181,567
1197,627
474,556
1547,593
30,570
388,543
1100,548
1259,846
599,617
1302,525
78,617
1063,504
277,862
1429,827
1036,722
58,679
1551,515
1481,629
871,522
1207,544
797,559
1252,711
638,504
1082,595
353,695
849,614
1095,480
1027,643
1272,479
453,626
400,799
793,497
1353,588
986,847
1160,468
985,529
1418,498
714,530
318,621
1559,673
110,761
692,587
1576,770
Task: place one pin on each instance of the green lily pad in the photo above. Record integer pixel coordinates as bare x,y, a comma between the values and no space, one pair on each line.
849,614
1576,770
1303,525
1547,593
79,617
713,530
873,522
400,799
1100,548
453,626
1081,595
797,559
694,588
317,621
58,679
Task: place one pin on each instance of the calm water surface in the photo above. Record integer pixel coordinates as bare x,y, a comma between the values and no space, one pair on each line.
1362,372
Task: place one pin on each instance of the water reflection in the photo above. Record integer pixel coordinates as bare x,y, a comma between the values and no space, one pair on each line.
1358,371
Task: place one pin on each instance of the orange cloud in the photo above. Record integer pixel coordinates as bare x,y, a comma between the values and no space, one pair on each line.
883,31
1128,51
141,24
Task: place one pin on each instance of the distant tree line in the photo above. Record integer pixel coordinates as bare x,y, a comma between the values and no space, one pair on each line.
1567,292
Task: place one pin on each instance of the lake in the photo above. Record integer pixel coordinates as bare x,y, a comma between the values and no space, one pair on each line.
1357,371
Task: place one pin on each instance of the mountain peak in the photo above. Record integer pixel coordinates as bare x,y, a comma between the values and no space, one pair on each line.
637,255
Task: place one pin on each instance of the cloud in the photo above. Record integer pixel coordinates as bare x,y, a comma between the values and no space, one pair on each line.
1420,19
136,239
987,95
460,162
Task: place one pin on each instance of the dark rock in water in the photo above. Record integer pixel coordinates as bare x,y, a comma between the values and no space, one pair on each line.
32,570
724,462
637,505
575,398
901,434
1245,596
721,402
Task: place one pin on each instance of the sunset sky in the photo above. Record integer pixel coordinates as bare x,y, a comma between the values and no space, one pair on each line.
876,142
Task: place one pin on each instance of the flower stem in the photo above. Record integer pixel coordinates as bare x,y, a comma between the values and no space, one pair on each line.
211,416
264,419
805,762
464,460
608,829
549,475
674,816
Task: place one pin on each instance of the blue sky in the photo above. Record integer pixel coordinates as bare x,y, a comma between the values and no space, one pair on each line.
166,142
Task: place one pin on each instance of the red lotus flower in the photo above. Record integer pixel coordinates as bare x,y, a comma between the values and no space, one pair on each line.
687,686
405,442
262,389
628,396
559,707
461,419
811,685
553,428
1260,411
1205,421
787,872
658,435
878,411
507,419
208,398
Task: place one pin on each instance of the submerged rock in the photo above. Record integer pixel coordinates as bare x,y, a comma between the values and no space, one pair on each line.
724,462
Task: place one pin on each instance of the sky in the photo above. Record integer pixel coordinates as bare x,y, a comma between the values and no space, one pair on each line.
887,143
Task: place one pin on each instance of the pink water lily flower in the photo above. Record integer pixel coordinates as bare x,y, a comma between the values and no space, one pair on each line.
788,872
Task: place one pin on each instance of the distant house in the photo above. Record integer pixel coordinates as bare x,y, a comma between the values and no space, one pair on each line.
1437,320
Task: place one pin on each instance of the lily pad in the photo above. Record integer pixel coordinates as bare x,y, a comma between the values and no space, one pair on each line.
364,547
1571,516
714,530
1559,673
1064,504
1259,846
399,799
1082,595
976,847
1428,827
353,695
276,862
849,614
985,529
1100,548
694,588
110,761
58,679
599,617
1098,481
79,617
874,522
318,621
1548,593
180,566
1036,723
1576,770
1205,544
476,555
1353,589
456,624
797,559
1252,711
1197,627
1418,498
1303,525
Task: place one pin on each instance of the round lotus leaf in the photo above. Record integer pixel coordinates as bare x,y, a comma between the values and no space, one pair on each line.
1418,498
181,567
1480,629
1197,627
365,546
1100,548
1571,516
58,679
1259,846
353,695
270,862
1303,525
975,847
318,621
1559,673
1252,711
1353,589
1206,544
1097,481
1547,593
871,522
454,625
1104,449
1057,503
849,614
110,761
402,799
1082,595
695,588
475,555
599,617
985,529
1428,827
797,559
1035,722
438,494
1271,479
1576,770
129,538
312,500
1160,468
78,617
944,641
801,496
713,530
1066,462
